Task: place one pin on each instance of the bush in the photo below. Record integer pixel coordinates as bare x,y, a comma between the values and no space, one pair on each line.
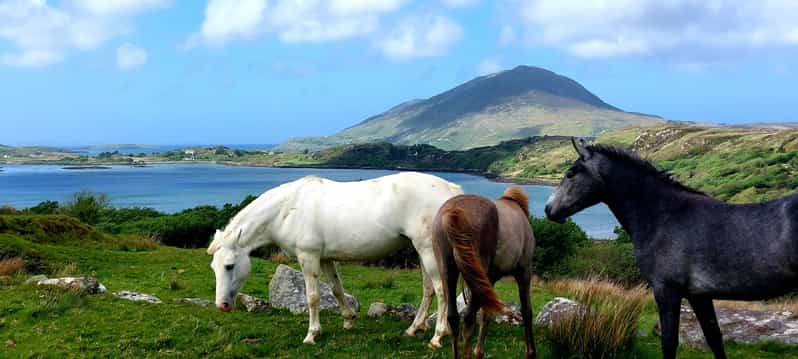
406,257
605,259
6,209
46,207
86,206
554,244
605,327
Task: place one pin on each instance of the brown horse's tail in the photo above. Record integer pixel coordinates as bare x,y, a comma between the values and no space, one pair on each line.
460,235
517,195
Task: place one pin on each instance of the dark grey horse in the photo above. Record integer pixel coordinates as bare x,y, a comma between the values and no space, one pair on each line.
687,244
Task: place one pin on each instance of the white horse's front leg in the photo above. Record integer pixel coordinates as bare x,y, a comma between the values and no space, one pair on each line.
310,270
420,321
347,313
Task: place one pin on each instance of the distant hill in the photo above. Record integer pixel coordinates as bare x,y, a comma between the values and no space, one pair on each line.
524,101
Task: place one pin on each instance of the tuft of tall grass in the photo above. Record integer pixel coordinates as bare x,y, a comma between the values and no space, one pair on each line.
10,266
606,323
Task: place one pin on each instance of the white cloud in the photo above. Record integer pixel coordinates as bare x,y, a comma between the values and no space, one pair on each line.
489,66
293,21
118,7
416,37
42,34
129,56
683,30
459,3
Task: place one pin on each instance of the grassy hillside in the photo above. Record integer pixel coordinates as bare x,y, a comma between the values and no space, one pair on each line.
38,322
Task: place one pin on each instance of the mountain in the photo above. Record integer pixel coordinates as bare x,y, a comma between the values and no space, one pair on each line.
525,101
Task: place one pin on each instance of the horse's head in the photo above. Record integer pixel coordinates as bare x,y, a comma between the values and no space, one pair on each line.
231,266
581,188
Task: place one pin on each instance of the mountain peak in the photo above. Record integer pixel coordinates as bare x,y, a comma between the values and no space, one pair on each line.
519,102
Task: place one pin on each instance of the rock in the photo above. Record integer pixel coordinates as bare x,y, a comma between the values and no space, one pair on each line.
553,308
196,301
739,325
252,304
287,291
88,284
36,279
137,297
513,318
402,311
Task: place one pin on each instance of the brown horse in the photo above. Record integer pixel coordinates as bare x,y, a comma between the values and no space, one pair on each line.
484,240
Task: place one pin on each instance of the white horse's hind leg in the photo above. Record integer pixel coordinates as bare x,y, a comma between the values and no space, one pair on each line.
430,265
347,313
310,269
420,321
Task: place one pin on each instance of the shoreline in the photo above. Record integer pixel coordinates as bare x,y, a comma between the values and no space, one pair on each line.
487,175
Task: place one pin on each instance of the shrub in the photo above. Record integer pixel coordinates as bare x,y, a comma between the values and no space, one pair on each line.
606,259
88,207
406,257
555,243
7,209
604,327
46,207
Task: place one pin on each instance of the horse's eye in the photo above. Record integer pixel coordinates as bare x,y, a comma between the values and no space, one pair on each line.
228,267
570,173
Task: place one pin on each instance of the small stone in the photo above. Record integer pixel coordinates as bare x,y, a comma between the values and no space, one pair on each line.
89,284
512,317
377,309
11,344
402,311
36,279
196,301
252,304
137,297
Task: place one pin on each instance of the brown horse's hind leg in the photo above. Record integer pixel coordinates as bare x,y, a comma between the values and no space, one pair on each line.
450,276
483,321
523,279
469,322
705,312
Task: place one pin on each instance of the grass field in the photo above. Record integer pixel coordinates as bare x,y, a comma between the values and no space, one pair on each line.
38,322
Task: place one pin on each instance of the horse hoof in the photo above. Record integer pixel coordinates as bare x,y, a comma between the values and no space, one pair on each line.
310,339
434,344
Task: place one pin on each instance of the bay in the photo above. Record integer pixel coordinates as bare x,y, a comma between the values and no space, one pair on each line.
174,187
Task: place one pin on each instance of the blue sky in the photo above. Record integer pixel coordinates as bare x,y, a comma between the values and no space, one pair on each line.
255,71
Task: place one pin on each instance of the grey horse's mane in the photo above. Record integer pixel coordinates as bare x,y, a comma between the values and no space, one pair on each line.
641,164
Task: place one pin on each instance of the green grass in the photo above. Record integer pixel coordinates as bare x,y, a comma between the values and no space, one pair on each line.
53,323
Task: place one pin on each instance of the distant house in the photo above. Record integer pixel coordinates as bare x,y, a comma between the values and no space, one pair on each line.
191,155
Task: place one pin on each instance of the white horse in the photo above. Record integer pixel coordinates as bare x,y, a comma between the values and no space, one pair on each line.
320,221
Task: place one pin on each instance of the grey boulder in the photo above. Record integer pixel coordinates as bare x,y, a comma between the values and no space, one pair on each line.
554,308
739,325
287,291
88,284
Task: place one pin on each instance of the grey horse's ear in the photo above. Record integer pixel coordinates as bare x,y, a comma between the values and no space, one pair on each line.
584,153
